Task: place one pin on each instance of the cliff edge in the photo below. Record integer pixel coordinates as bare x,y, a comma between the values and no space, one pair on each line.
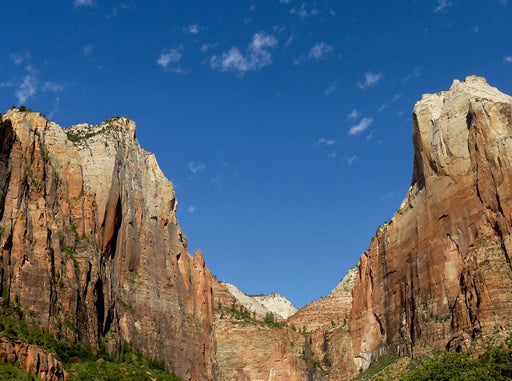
90,246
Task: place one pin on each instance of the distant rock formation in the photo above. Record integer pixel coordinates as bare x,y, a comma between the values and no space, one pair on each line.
262,305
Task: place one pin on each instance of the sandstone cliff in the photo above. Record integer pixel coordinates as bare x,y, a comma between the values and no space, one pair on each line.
438,275
91,249
90,246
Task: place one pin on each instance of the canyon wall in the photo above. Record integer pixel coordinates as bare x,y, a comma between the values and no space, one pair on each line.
91,249
90,246
438,275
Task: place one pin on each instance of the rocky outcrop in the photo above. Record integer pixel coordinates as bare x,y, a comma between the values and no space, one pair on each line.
328,312
90,246
247,351
277,304
259,305
438,275
31,358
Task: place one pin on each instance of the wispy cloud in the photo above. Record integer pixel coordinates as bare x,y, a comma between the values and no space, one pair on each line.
326,142
303,12
443,5
475,29
191,209
27,88
168,59
353,115
192,28
415,74
83,3
88,50
18,58
508,59
370,79
333,87
349,159
50,86
130,6
256,57
284,1
361,126
196,167
319,51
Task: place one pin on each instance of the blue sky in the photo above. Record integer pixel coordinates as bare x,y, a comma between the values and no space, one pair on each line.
284,125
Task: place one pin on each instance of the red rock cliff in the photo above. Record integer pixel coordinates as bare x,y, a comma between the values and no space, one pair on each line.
438,275
90,245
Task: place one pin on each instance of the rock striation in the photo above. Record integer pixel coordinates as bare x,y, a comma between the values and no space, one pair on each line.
90,246
439,275
31,358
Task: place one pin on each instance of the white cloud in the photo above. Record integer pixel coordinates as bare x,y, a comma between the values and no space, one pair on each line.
27,88
415,74
83,3
508,59
370,79
353,115
332,155
123,7
326,142
396,97
169,57
476,29
87,50
196,167
349,159
50,86
358,128
19,58
319,50
284,1
443,5
191,209
302,12
256,57
332,88
192,28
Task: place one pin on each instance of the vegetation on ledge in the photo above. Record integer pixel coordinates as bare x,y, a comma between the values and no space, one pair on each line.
78,360
494,364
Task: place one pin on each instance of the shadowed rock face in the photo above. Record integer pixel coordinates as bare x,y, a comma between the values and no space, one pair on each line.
439,274
90,245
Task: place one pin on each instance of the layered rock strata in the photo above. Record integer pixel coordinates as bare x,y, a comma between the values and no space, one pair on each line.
90,246
438,275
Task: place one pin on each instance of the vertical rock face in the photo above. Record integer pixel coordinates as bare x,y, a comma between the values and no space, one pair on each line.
33,359
90,245
438,275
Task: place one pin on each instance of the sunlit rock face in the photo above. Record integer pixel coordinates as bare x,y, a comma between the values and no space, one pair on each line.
438,275
90,245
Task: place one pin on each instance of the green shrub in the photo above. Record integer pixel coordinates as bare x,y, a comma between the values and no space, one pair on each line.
14,372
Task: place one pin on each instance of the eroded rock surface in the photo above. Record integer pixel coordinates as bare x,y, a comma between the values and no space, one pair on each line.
90,246
438,275
31,358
